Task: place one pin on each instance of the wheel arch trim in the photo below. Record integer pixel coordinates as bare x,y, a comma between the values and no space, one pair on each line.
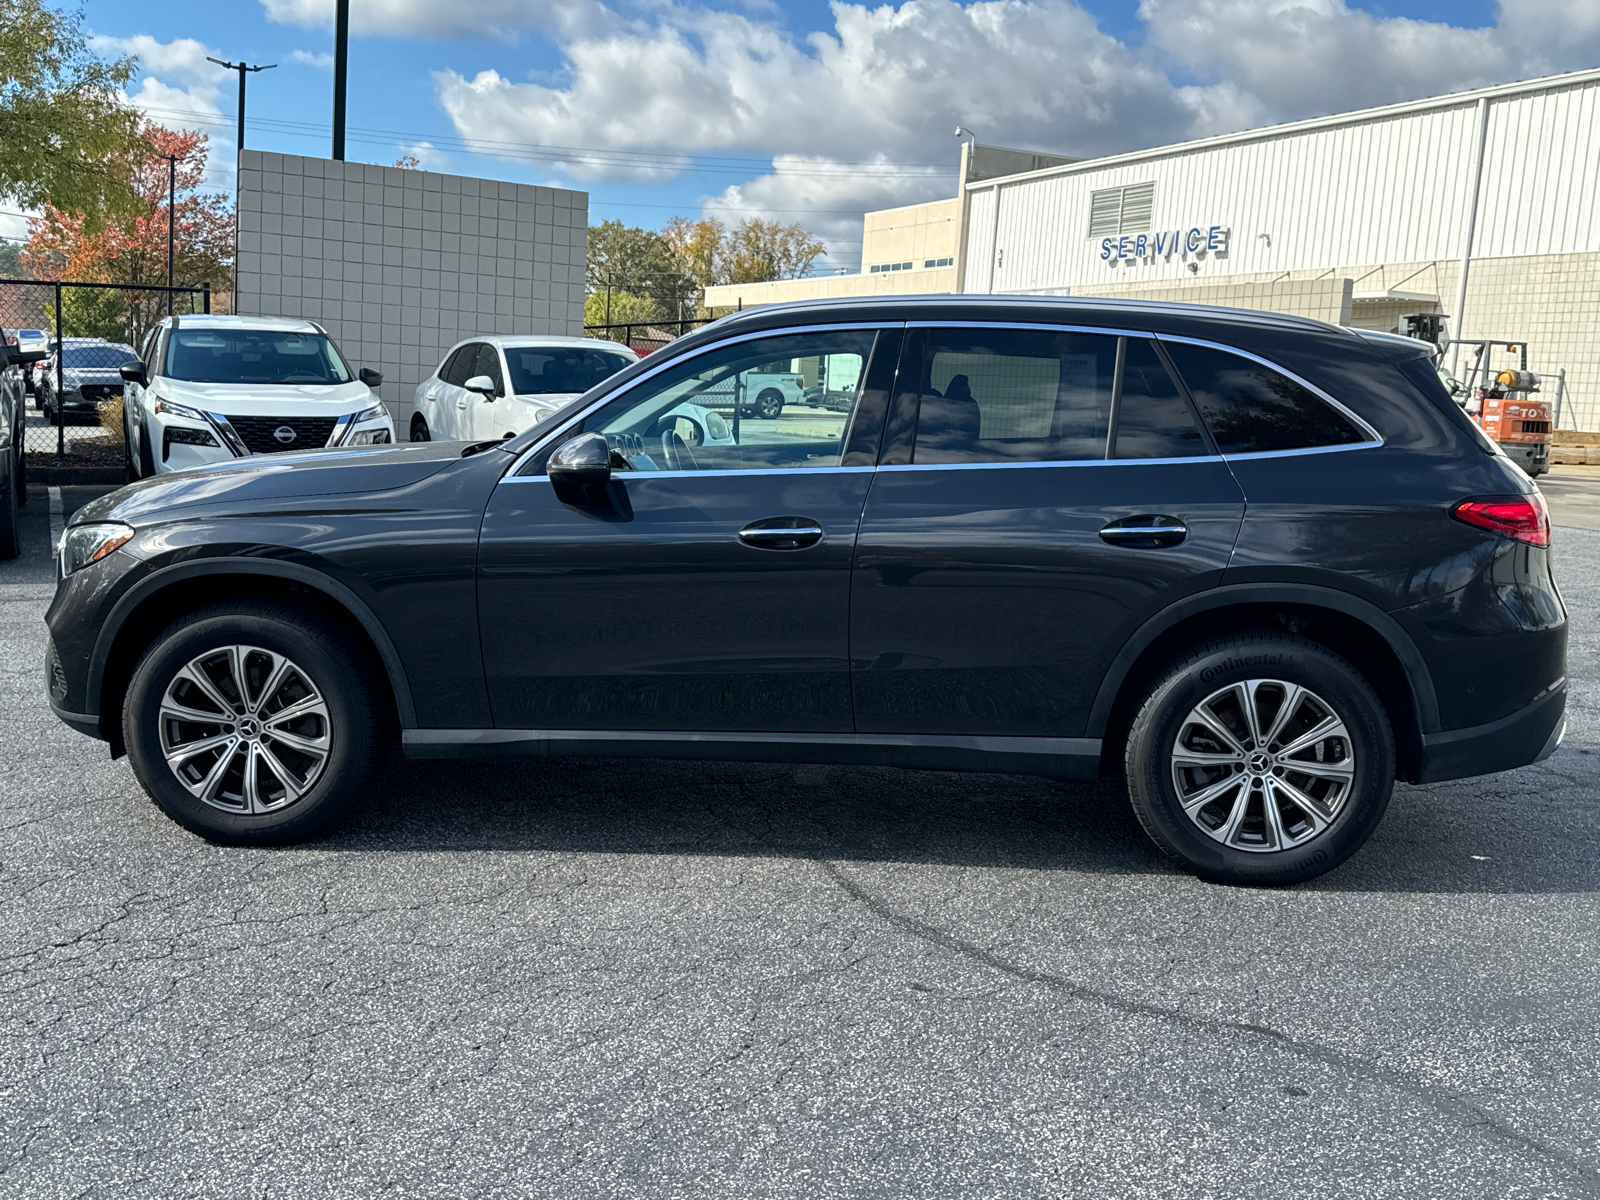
1425,701
339,593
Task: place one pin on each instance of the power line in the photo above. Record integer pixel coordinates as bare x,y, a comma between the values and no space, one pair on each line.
639,159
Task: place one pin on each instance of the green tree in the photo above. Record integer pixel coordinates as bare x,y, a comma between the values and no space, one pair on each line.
10,262
642,263
90,312
624,307
756,251
65,129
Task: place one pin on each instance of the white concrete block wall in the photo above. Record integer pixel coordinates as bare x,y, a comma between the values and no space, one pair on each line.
399,265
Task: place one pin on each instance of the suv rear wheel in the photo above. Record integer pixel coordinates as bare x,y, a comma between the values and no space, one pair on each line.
419,430
1260,758
251,724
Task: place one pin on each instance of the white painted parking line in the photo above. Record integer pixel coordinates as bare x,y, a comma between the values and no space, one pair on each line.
58,519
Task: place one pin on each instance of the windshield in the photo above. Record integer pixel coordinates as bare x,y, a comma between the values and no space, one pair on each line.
545,369
253,356
109,355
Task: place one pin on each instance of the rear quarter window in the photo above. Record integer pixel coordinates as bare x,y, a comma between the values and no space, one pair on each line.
1252,409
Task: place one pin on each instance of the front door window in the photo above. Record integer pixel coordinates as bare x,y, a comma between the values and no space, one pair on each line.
711,412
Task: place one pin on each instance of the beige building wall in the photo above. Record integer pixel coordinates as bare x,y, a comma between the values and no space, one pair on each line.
726,297
913,234
1324,299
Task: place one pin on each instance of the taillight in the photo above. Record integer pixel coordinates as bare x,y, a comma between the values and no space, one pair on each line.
1522,517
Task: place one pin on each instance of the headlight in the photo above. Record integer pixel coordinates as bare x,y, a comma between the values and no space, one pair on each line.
375,412
177,410
84,544
371,437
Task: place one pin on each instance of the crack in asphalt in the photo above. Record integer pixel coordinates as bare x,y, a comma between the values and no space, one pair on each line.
1471,1116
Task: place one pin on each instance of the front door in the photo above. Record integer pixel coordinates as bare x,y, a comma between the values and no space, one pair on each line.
1047,493
478,409
707,586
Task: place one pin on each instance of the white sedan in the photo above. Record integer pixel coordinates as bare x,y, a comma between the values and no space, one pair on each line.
496,386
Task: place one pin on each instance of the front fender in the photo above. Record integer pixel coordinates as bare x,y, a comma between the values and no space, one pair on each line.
278,568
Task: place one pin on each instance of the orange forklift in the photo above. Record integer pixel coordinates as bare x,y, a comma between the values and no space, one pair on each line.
1505,402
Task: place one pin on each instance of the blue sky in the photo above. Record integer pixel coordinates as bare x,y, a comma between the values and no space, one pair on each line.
737,108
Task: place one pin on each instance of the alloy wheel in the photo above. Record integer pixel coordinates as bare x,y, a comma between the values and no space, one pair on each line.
1263,765
245,730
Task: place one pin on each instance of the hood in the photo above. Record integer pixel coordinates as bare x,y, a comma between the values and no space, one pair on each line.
268,399
91,374
270,480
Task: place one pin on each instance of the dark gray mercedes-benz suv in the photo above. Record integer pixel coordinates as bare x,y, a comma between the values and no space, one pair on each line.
1260,565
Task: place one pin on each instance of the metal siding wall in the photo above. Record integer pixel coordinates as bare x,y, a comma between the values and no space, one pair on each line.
980,246
1540,169
1384,190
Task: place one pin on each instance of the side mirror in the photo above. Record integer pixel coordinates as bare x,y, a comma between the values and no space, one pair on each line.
481,384
585,461
133,371
370,377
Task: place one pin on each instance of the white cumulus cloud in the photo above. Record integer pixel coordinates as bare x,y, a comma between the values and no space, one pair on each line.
179,88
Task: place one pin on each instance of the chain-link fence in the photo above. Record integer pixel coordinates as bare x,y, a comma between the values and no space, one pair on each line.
73,399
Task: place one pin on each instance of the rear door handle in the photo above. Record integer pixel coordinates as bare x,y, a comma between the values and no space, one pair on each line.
781,533
1147,531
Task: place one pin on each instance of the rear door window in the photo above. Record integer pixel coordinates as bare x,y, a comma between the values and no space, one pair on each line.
1252,409
1153,419
1014,395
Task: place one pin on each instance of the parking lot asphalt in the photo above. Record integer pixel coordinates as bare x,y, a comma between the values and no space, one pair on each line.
649,979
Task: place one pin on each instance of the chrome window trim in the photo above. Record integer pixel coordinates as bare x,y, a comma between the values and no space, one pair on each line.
627,476
1055,462
781,331
1375,438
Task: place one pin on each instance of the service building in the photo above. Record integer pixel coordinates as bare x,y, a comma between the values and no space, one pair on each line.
1479,206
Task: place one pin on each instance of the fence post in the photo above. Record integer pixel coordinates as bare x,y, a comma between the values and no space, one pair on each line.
61,354
205,288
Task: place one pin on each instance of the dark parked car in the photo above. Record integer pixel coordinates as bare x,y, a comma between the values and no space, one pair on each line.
88,379
15,361
1261,565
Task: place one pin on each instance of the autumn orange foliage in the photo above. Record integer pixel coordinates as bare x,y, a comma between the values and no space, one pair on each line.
133,249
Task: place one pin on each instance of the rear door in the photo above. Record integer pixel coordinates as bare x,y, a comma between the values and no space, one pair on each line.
1042,492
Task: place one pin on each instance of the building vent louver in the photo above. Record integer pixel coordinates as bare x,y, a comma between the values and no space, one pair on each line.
1115,211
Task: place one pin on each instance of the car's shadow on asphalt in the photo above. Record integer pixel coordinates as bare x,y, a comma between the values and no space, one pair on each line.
1534,831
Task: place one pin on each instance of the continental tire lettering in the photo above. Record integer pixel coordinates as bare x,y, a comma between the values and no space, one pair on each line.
1240,662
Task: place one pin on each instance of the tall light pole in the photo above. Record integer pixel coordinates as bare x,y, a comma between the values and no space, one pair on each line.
242,68
341,69
172,219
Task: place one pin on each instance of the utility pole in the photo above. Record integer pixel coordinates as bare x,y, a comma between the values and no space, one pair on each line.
172,219
240,67
341,70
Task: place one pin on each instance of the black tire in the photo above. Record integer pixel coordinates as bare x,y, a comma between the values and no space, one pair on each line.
10,519
129,467
22,473
147,458
420,431
769,404
1198,675
354,723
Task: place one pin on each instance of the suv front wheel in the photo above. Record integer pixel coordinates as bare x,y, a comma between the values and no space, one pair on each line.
252,723
1260,758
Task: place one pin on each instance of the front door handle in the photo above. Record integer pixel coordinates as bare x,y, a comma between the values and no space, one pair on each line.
1147,531
781,533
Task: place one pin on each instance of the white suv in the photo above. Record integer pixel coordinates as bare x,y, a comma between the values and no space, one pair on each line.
497,386
215,388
